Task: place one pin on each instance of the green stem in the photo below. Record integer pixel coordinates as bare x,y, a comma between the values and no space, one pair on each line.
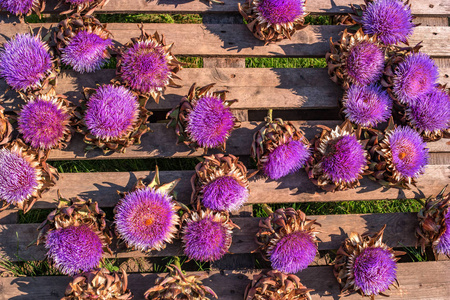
269,115
267,209
177,262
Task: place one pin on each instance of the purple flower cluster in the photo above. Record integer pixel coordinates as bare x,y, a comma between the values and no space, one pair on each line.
415,77
280,11
443,245
111,112
25,62
367,105
390,20
74,249
285,159
374,270
146,219
224,193
85,52
210,122
145,67
17,6
365,63
18,178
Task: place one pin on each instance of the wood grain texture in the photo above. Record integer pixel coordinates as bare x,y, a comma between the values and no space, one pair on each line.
335,228
237,40
420,280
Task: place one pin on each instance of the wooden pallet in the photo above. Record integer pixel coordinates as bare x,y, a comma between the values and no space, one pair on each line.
297,92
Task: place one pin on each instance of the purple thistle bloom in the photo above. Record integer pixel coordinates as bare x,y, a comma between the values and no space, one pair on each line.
111,112
25,62
293,252
365,63
210,122
206,239
17,6
285,159
390,20
85,52
367,105
431,112
43,122
146,219
409,155
145,67
414,77
74,249
18,178
374,270
280,11
224,193
343,158
443,245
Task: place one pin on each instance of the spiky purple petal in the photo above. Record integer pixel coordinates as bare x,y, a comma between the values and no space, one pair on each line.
415,77
17,6
286,159
111,112
375,270
367,105
365,63
409,155
293,252
25,61
390,20
85,52
224,193
280,11
18,179
443,245
74,249
146,219
210,122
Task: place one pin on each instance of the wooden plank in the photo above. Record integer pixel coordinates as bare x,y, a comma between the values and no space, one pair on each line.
419,280
9,216
436,8
427,21
335,228
237,40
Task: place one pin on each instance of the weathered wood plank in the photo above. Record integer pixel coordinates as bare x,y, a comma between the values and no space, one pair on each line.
9,216
427,21
237,40
335,228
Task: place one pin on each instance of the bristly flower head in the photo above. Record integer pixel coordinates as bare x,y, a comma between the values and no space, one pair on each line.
415,77
365,63
443,245
390,20
111,112
210,122
146,219
19,7
74,249
406,153
275,12
224,193
25,62
431,112
207,235
367,105
85,52
43,122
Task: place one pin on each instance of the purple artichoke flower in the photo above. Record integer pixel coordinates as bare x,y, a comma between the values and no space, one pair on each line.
18,177
206,237
43,122
111,112
365,63
408,153
443,244
146,219
145,67
343,157
390,20
74,249
210,122
431,112
279,11
224,193
414,77
286,159
293,252
374,270
18,7
367,105
25,62
85,52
